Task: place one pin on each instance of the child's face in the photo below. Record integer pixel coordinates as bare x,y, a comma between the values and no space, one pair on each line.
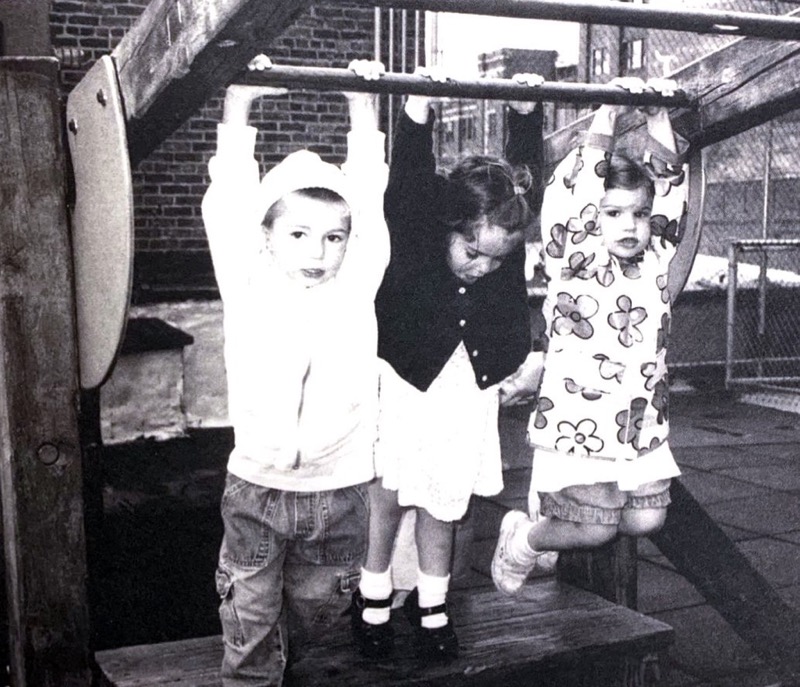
308,238
475,255
625,221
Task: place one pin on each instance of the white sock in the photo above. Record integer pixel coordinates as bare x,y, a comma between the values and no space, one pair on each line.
376,586
519,549
432,591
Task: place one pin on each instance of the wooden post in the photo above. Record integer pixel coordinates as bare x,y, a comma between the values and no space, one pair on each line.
702,552
40,460
609,571
26,27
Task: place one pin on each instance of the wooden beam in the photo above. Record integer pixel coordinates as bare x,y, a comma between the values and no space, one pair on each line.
735,88
179,53
40,458
703,554
743,85
615,13
329,78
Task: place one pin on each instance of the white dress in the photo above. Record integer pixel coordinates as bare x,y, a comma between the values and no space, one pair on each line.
438,447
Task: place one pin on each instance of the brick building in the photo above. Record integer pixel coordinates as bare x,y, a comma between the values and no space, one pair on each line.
171,253
466,127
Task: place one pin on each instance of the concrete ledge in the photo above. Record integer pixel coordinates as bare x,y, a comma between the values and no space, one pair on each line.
144,396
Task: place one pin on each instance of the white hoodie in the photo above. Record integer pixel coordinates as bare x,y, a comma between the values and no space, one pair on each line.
301,362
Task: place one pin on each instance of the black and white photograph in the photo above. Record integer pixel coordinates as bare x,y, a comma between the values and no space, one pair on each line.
403,342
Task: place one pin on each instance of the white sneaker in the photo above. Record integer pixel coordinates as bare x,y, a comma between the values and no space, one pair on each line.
509,574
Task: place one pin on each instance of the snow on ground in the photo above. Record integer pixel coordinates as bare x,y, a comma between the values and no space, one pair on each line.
711,272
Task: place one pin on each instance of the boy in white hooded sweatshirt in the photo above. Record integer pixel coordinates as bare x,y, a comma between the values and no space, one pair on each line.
298,258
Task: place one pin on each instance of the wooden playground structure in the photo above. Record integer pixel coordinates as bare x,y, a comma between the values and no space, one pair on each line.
174,58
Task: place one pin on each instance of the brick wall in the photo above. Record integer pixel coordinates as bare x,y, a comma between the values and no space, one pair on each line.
171,253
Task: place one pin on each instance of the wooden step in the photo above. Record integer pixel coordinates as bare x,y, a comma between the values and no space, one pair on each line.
550,635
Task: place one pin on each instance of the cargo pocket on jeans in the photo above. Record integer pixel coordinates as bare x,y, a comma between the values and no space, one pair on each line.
337,607
232,632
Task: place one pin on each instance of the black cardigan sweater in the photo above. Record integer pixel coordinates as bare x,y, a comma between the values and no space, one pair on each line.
423,310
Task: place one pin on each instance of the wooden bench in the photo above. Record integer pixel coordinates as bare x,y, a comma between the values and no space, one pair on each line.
577,631
551,635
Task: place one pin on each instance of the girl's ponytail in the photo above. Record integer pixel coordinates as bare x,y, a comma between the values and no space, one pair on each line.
487,189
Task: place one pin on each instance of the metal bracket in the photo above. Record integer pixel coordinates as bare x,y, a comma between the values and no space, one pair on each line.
102,220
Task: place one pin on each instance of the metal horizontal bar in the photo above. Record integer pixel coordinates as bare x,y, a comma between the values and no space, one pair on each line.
763,380
756,244
617,14
333,79
775,359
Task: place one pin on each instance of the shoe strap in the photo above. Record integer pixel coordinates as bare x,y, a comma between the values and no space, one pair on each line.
433,610
364,602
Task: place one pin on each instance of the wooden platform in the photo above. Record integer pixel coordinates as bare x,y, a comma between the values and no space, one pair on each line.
550,635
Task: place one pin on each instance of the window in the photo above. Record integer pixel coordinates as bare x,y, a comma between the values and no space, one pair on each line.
601,64
633,54
466,128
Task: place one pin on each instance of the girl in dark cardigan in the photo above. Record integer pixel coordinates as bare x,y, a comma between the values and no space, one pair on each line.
453,324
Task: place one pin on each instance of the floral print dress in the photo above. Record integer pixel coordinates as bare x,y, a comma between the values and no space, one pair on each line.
602,411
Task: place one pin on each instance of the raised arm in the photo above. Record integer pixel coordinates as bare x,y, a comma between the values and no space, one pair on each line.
664,157
525,120
230,210
571,200
414,187
366,170
365,141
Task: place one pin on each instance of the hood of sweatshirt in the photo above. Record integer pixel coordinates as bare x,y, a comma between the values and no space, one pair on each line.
299,170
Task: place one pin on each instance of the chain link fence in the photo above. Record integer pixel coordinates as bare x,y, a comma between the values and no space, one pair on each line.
763,314
734,324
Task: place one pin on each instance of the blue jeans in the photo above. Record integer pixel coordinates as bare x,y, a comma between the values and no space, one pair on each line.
288,565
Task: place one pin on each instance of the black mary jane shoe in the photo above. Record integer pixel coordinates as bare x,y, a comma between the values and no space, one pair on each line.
372,641
434,644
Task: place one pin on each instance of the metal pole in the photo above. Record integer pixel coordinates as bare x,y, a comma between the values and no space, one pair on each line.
489,88
403,41
377,34
731,315
416,38
620,14
390,99
376,39
763,261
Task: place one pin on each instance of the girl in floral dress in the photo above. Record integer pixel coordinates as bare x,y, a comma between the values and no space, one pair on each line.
602,463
